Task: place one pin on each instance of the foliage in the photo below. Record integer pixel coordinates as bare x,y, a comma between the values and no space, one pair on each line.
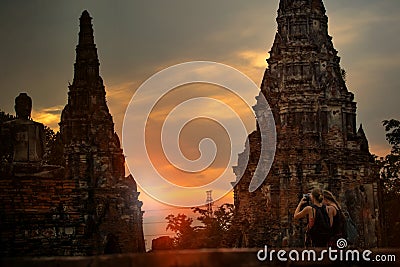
5,145
54,154
182,226
389,171
6,117
390,165
215,226
224,216
211,234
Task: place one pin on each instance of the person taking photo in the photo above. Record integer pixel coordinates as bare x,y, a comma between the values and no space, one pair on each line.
318,232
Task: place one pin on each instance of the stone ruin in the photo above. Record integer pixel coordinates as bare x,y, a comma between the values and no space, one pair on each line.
318,144
87,207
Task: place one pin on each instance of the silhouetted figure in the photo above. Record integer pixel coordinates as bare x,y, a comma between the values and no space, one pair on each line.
27,136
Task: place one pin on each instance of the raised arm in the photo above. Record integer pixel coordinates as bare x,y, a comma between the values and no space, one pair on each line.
301,214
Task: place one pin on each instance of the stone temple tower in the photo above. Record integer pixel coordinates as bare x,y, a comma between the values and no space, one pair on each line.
318,144
107,200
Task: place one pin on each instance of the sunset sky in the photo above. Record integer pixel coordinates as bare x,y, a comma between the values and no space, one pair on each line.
135,39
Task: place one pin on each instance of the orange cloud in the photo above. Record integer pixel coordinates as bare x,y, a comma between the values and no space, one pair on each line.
48,116
253,58
195,131
118,97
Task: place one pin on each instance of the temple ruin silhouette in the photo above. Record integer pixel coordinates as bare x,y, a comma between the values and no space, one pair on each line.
87,207
318,144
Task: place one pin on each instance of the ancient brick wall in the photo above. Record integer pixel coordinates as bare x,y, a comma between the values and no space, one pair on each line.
38,214
42,213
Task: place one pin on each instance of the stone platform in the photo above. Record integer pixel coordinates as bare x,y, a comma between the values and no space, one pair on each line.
190,258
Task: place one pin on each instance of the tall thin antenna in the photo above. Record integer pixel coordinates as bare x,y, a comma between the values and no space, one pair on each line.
209,203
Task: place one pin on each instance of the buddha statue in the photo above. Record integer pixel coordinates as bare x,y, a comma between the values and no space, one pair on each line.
26,135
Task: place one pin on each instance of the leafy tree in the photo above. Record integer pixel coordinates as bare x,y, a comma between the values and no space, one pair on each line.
224,216
54,151
390,165
215,226
182,226
211,234
390,170
5,145
6,117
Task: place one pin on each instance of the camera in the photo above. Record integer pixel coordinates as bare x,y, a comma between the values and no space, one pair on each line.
307,199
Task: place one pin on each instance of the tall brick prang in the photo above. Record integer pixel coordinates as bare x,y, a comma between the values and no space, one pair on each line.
87,207
318,144
108,200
